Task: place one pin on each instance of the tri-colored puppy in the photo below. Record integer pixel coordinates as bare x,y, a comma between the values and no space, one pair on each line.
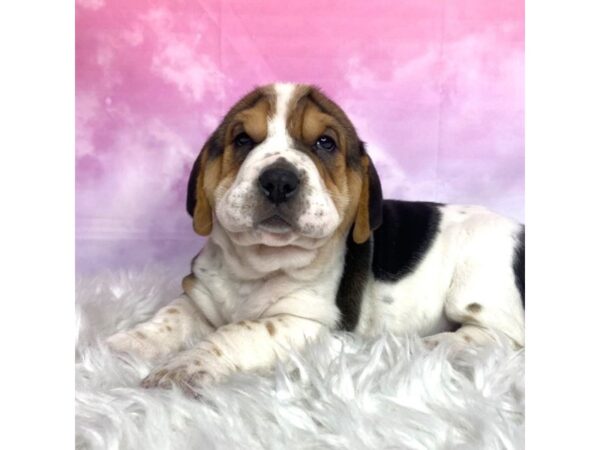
300,240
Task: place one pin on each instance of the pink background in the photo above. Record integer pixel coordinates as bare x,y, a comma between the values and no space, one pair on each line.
434,87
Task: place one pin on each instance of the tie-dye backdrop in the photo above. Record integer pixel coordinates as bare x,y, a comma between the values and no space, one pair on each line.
435,88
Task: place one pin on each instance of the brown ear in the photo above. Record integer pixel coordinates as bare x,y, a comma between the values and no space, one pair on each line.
197,202
370,205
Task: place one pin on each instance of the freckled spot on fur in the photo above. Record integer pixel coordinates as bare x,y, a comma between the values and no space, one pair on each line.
173,311
169,328
467,338
140,335
197,363
270,328
431,343
387,299
217,351
474,307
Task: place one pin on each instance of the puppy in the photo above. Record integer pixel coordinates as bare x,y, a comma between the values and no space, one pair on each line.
300,240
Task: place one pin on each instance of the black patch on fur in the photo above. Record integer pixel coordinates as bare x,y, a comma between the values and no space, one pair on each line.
375,198
406,234
354,279
519,264
214,149
190,202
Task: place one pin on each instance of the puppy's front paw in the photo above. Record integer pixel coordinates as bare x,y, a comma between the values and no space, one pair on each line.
185,372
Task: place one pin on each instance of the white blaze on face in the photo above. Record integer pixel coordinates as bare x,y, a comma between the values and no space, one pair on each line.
316,216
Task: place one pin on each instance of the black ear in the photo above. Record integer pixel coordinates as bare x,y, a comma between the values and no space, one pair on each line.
190,203
375,198
214,150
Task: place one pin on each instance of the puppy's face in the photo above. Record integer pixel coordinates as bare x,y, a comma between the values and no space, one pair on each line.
285,168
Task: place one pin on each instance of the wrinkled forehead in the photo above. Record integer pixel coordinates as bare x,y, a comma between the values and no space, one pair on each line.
295,112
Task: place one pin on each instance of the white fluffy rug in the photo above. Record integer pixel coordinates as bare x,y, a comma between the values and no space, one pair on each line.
343,392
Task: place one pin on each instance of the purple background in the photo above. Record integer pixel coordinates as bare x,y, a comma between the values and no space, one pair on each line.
434,87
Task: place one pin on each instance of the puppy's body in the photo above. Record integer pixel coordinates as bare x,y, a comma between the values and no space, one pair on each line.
301,240
437,267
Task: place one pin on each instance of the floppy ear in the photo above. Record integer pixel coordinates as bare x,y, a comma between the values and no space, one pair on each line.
370,206
197,204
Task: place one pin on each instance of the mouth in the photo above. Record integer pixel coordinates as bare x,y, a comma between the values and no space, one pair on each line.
276,225
274,233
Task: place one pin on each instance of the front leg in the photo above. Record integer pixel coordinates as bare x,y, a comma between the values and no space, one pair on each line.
167,332
247,345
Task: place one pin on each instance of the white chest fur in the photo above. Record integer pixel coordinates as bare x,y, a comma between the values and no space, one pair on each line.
308,293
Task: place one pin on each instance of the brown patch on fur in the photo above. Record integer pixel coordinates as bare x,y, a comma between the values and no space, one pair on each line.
169,328
431,343
349,141
245,325
270,328
217,351
474,307
362,229
316,123
197,363
173,310
253,122
467,338
140,335
202,217
188,283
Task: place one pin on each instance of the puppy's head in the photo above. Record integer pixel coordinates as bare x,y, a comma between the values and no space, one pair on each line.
285,168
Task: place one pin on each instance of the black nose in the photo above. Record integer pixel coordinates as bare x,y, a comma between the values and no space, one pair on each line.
279,185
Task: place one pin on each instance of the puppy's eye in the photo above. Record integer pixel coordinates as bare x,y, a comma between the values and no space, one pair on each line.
325,143
242,140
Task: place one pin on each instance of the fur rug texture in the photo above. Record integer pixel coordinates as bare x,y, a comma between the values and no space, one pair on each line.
344,391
